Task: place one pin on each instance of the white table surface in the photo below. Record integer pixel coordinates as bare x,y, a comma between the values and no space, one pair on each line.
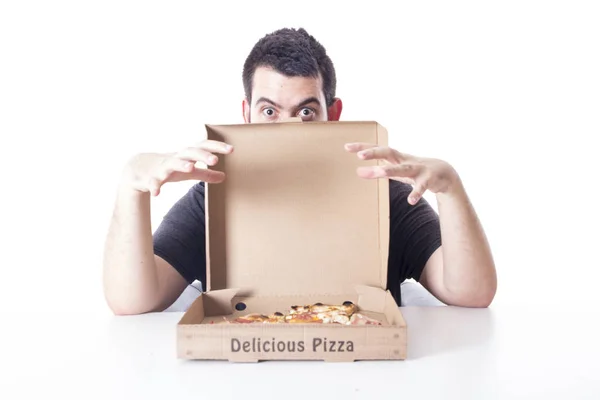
453,353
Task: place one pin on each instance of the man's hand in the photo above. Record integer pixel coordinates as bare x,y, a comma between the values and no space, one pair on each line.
423,174
147,172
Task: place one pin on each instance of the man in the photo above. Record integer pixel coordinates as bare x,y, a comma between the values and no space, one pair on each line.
288,74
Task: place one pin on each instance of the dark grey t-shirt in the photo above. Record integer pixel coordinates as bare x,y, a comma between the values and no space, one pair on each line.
414,236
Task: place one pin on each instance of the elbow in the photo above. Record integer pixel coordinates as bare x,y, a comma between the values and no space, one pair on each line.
480,296
481,301
123,305
128,300
487,291
122,309
486,299
472,301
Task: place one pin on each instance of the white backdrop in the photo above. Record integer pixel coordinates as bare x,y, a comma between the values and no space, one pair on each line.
508,92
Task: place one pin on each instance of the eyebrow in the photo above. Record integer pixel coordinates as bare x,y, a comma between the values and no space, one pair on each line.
302,103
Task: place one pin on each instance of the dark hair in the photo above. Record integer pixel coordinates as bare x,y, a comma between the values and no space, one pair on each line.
292,52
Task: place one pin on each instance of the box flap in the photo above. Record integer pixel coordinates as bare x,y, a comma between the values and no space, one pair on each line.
292,216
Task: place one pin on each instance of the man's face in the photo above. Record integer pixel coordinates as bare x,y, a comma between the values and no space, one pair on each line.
276,97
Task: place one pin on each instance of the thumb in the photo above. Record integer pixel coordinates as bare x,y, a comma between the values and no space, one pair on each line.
416,194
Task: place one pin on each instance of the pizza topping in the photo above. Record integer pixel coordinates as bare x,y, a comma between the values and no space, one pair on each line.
345,314
250,318
303,319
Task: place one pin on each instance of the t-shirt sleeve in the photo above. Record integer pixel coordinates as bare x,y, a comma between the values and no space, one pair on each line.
414,235
180,237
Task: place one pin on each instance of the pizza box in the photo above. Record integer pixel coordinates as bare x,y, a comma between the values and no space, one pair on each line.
293,224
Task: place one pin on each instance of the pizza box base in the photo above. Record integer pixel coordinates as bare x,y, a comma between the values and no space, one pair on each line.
200,335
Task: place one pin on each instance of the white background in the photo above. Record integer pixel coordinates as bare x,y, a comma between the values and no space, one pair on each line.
508,92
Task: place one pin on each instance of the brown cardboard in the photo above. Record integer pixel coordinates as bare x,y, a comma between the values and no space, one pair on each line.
293,224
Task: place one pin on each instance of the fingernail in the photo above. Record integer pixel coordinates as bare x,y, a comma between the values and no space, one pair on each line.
212,159
412,200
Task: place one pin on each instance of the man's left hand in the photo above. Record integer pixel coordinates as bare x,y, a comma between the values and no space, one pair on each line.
423,174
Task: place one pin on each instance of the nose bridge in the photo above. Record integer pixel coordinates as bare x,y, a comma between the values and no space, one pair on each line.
290,119
285,114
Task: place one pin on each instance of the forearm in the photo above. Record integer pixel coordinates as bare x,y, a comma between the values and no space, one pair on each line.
469,273
130,274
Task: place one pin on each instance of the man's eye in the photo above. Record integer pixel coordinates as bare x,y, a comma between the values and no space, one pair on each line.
269,112
306,112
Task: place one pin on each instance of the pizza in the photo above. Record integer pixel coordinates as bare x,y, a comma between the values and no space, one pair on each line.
253,318
318,313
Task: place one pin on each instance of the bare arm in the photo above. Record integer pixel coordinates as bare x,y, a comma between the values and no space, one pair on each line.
135,279
462,271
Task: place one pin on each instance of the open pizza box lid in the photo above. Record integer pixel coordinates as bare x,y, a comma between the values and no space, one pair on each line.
292,217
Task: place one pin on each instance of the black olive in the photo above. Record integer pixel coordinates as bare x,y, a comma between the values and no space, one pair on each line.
318,304
348,303
278,314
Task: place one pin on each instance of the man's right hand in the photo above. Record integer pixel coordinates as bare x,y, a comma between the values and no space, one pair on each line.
147,172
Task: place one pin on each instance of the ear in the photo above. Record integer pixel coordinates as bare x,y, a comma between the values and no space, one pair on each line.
246,111
335,110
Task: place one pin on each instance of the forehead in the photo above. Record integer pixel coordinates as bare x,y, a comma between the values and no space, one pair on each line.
285,90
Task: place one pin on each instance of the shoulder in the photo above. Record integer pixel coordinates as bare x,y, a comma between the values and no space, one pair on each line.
198,189
195,198
196,193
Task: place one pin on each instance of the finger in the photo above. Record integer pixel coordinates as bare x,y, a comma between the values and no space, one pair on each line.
154,186
404,170
177,164
417,192
200,174
197,155
214,146
380,153
358,146
209,175
171,165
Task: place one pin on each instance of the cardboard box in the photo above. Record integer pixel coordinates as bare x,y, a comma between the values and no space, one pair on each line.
292,224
